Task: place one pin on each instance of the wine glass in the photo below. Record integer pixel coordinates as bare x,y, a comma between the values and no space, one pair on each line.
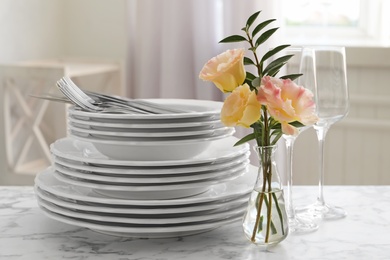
297,223
332,103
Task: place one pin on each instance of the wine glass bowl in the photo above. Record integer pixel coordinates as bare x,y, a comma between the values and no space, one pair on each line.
331,94
326,76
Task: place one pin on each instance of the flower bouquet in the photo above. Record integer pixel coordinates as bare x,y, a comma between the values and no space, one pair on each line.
271,106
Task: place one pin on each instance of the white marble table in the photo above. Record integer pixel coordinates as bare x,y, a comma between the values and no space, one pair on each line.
26,233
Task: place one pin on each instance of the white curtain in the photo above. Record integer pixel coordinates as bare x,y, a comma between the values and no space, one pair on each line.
170,40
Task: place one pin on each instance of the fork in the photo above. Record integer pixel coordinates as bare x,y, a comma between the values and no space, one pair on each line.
92,100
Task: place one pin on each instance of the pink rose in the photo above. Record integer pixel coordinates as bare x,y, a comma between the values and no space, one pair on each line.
226,70
287,102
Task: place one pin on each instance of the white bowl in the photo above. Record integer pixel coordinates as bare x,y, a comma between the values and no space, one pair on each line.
158,150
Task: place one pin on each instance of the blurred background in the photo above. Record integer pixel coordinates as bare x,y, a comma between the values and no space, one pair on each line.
156,48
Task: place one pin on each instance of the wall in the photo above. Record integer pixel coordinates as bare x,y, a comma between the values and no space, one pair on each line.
30,29
39,29
95,29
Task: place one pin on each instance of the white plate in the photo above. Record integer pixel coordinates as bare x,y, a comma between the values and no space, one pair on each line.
153,172
149,192
85,152
118,186
126,135
151,126
217,193
148,179
143,210
197,108
153,148
123,230
140,219
155,141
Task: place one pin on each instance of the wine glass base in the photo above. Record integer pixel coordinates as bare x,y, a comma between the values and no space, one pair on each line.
324,211
299,225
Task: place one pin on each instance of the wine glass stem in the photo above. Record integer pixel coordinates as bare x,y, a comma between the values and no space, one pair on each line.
321,134
289,148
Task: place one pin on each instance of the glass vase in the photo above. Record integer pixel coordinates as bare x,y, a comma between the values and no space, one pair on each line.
265,222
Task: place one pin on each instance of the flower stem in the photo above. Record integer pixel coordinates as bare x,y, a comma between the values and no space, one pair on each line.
253,49
258,214
268,173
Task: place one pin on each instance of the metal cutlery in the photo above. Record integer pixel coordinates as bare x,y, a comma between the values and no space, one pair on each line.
96,102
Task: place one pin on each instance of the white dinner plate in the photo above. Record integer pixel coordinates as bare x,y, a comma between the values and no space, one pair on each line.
150,191
118,186
151,126
82,151
140,219
152,172
197,108
135,231
180,210
148,179
217,193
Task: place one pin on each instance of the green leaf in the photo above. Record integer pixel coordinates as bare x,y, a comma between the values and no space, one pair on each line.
296,124
277,137
245,139
250,76
274,71
263,37
292,76
248,61
277,126
256,82
261,26
251,19
278,63
272,52
233,38
252,49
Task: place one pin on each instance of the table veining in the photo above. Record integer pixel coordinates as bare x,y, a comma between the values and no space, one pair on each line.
26,233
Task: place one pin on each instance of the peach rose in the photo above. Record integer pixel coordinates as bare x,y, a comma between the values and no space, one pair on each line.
241,108
226,70
287,102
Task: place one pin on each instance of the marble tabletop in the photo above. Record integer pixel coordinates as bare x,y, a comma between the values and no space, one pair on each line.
26,233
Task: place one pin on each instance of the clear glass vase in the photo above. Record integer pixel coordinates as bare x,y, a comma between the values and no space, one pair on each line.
265,222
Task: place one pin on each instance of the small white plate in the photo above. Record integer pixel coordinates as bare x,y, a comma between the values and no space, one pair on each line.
153,172
216,193
153,148
197,108
85,152
148,179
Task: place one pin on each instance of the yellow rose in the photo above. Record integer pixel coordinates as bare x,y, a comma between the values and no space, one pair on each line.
241,108
226,70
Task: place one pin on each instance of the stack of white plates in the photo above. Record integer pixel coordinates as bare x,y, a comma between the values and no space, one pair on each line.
79,163
147,176
152,136
221,204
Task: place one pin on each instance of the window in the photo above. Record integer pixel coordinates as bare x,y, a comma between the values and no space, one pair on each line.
346,22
